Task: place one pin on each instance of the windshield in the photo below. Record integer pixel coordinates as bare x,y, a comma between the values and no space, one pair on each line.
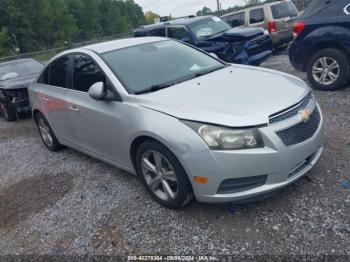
165,63
19,68
209,27
282,10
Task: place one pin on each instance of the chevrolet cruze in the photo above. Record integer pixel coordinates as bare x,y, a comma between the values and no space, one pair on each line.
185,122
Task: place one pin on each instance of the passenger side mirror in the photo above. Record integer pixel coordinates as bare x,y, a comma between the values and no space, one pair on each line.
97,91
214,55
186,40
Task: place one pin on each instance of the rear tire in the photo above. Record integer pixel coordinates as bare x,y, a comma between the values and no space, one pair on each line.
328,69
167,181
47,135
9,111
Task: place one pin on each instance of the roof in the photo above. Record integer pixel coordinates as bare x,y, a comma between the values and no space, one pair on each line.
179,21
121,43
260,5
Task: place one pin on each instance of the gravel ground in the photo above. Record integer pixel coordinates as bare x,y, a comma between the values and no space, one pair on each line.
69,203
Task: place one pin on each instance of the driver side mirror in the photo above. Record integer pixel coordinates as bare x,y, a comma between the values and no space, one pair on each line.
100,91
97,91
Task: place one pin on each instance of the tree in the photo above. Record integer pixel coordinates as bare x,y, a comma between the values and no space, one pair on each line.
43,24
60,25
150,17
205,11
249,3
4,43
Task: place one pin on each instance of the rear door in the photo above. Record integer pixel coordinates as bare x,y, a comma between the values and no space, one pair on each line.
52,93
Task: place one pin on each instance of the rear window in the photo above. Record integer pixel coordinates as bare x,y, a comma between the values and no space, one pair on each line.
235,20
257,16
285,9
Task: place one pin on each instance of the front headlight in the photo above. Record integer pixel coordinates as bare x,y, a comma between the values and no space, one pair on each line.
224,138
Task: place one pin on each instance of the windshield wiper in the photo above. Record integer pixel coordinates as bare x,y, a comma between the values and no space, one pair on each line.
216,33
153,88
157,87
205,72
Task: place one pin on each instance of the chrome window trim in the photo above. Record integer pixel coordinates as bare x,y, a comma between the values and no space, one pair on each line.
345,9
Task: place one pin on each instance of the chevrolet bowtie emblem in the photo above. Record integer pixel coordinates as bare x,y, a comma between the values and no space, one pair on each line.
304,116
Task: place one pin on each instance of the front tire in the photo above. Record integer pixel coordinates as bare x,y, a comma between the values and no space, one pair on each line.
46,133
328,69
9,111
163,175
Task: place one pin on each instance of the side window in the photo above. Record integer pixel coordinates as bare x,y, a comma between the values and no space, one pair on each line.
158,32
86,73
58,72
257,16
179,33
44,77
237,19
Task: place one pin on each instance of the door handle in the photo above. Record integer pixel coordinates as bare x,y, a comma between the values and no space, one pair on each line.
74,108
45,99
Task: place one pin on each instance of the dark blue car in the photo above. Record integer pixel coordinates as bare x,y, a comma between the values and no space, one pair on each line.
322,44
249,46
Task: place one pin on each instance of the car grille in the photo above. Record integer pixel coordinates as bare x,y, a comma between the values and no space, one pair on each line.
292,111
302,131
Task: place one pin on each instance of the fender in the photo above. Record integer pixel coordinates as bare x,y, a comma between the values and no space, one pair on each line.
327,34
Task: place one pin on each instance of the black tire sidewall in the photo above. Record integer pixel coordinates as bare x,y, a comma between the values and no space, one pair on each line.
55,144
343,62
184,195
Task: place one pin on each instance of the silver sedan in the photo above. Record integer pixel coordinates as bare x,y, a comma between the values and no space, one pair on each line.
185,122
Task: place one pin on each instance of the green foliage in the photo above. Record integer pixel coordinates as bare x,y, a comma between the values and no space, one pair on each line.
300,4
150,16
43,24
4,43
205,11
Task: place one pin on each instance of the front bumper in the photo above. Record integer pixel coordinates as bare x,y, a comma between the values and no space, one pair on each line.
281,164
17,97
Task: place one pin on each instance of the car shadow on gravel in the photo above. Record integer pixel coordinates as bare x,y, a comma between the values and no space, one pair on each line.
30,196
10,131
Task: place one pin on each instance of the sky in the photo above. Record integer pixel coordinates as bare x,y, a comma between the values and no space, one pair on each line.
183,7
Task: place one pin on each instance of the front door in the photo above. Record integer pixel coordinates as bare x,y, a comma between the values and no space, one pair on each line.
96,123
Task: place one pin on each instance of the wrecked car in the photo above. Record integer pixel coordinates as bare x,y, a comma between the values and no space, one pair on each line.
15,77
248,46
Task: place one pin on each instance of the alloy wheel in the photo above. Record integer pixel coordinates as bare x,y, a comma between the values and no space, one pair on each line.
326,70
45,132
159,175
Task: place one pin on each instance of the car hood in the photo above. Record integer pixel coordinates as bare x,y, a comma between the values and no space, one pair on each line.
18,82
237,34
236,96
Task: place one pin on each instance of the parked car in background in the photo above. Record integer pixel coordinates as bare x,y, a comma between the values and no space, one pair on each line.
322,44
15,77
211,34
276,17
196,125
